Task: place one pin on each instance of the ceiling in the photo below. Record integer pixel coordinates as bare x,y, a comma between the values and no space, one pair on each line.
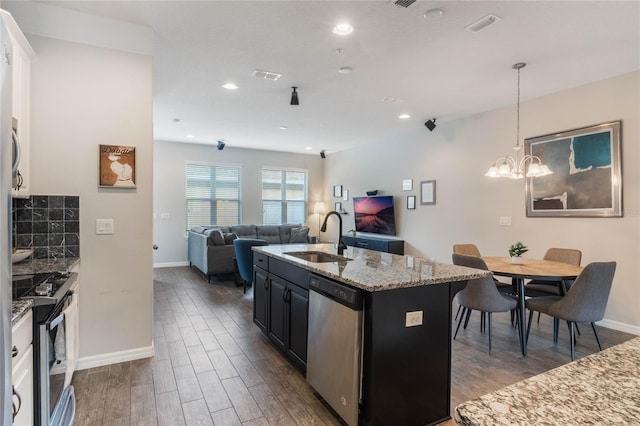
433,68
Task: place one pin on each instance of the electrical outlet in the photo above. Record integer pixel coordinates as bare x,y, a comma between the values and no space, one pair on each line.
413,319
505,221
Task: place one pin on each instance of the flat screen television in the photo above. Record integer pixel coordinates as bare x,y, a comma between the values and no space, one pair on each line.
375,215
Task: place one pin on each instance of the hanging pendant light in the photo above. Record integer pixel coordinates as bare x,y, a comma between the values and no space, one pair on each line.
516,167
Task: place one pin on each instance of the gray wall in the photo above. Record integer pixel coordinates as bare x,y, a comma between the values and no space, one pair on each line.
84,96
458,153
169,202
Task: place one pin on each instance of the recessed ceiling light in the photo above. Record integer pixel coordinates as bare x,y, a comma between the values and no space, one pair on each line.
308,148
339,50
230,86
190,136
283,127
433,14
176,121
343,29
345,70
404,116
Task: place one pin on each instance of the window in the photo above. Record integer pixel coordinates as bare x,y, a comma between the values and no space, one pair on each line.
284,196
213,194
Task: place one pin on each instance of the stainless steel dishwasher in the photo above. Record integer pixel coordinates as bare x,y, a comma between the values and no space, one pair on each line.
334,354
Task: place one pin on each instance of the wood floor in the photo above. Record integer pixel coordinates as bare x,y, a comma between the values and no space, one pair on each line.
214,367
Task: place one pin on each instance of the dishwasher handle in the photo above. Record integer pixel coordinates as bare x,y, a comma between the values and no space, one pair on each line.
341,293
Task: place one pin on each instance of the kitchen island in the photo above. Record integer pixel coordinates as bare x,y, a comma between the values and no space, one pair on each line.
406,329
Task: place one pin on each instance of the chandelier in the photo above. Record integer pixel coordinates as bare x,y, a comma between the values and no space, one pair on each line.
514,167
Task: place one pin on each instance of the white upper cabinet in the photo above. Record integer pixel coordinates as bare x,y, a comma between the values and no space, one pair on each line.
21,60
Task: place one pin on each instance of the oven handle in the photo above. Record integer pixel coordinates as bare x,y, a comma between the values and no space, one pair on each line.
57,316
57,320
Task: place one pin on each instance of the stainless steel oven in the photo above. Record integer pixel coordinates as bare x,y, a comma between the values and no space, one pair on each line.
52,293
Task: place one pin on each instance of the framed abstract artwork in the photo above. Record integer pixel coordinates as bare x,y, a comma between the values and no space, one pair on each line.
427,192
587,173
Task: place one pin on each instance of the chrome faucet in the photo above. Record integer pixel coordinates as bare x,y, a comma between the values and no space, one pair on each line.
341,245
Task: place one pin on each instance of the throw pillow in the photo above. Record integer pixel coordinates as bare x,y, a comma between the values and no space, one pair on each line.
300,235
214,237
229,237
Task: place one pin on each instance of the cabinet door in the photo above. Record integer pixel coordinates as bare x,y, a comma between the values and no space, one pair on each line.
23,384
260,298
298,314
277,314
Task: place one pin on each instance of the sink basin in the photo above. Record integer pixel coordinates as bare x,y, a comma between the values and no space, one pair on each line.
317,256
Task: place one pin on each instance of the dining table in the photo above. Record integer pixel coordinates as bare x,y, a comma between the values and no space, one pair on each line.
538,269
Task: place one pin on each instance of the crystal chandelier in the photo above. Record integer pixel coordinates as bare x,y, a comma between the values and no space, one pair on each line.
514,167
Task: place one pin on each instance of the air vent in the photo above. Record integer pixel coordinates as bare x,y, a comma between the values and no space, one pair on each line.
404,3
267,75
483,23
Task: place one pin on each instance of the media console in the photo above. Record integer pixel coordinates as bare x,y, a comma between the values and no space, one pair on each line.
386,245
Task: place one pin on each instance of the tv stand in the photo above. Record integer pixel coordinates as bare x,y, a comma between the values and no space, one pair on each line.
386,245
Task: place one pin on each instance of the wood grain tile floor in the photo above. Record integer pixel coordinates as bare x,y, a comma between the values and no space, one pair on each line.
212,365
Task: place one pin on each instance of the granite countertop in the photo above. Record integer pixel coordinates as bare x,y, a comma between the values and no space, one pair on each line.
603,388
373,270
19,308
36,266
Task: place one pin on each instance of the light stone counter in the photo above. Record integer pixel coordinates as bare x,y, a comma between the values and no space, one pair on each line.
601,389
37,266
373,270
19,308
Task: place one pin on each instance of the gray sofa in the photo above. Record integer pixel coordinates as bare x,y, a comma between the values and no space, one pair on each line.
211,247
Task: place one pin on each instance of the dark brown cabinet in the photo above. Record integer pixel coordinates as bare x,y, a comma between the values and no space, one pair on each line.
281,307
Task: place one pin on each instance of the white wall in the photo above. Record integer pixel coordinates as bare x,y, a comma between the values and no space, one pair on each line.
169,193
83,96
457,154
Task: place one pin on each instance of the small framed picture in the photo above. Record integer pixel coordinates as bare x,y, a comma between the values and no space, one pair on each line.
428,192
411,202
345,195
338,206
117,166
407,184
337,191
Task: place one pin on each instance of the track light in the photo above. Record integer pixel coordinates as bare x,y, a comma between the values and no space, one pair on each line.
294,96
431,124
322,154
221,145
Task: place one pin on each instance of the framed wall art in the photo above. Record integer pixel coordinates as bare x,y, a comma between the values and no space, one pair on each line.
427,192
337,206
411,202
337,191
117,166
587,173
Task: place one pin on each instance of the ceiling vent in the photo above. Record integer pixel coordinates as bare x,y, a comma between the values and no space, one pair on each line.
404,3
267,75
483,23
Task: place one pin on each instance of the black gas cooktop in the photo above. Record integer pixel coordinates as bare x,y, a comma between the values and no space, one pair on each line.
38,285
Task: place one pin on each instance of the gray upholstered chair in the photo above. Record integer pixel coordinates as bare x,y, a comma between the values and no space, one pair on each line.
480,294
537,288
585,301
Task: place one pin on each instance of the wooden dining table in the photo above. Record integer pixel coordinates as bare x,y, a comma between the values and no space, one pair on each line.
538,269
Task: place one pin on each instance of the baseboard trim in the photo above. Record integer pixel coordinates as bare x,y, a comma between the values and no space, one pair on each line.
170,264
115,357
620,326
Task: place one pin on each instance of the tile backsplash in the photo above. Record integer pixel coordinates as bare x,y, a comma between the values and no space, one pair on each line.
50,224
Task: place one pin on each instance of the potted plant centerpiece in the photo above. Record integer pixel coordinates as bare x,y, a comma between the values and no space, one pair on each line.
352,232
516,251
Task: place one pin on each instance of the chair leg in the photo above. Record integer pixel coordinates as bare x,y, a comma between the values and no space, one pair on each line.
596,334
459,322
529,325
244,290
539,317
458,313
482,322
573,343
489,319
466,320
577,329
556,326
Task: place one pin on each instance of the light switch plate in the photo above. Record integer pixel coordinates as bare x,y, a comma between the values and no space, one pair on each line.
104,227
505,221
413,319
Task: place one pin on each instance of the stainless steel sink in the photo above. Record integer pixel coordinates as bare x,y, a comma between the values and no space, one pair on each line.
317,256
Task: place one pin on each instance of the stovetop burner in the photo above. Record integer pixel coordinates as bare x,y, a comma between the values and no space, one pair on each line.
38,285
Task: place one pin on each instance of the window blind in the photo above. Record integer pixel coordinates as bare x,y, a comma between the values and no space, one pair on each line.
213,194
284,196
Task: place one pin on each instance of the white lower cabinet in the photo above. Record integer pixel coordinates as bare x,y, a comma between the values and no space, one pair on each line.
22,370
